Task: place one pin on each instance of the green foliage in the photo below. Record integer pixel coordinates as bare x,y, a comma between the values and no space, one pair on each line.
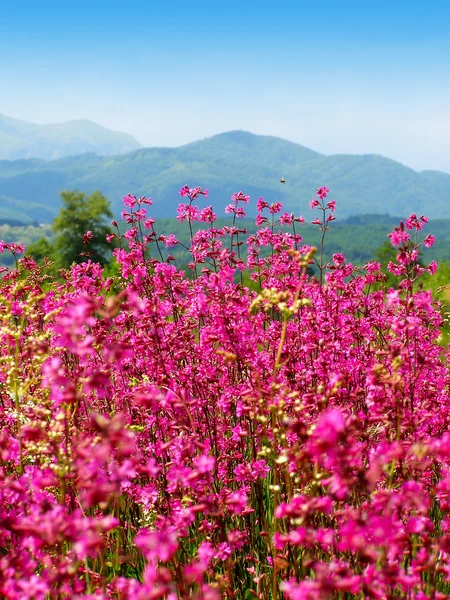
78,215
41,249
439,284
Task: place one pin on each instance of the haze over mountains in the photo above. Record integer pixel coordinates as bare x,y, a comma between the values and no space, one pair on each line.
20,139
225,163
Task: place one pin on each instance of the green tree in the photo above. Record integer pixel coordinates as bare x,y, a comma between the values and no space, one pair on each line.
78,215
385,253
41,249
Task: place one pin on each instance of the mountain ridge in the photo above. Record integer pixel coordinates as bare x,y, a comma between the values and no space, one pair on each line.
226,163
23,140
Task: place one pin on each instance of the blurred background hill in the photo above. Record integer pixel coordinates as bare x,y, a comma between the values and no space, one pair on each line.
225,163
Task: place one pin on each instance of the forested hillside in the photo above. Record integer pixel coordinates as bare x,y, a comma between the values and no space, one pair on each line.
226,163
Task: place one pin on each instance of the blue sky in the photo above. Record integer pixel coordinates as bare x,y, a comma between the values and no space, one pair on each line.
340,76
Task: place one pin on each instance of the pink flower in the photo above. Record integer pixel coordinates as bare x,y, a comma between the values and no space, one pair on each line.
414,223
261,205
195,192
322,192
187,212
396,269
432,267
398,237
338,259
207,215
329,427
240,197
205,552
314,202
184,191
204,464
131,233
169,240
275,208
260,220
148,224
129,201
372,267
428,241
87,237
144,200
192,193
223,551
286,218
126,216
16,248
156,545
260,469
237,503
140,214
169,394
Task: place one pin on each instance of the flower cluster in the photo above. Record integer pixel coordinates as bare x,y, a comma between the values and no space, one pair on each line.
408,265
168,436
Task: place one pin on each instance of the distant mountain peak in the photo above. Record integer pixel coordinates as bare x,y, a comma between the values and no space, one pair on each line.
259,147
20,139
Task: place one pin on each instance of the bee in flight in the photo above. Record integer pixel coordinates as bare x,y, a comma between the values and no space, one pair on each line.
282,180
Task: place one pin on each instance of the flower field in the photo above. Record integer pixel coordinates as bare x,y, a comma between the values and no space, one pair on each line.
244,430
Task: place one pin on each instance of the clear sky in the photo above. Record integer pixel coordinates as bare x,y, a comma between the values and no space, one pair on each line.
338,76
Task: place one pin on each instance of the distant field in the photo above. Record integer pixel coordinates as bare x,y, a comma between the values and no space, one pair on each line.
25,234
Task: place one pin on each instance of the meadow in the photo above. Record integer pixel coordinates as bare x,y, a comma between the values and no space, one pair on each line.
238,430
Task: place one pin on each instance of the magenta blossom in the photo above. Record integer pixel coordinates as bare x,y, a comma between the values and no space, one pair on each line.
322,192
87,237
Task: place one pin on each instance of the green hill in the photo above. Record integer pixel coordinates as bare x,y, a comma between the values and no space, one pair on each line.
227,163
19,139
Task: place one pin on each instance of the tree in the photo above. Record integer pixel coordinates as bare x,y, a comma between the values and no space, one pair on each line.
41,249
79,215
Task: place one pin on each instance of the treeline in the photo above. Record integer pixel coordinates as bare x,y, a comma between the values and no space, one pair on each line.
360,238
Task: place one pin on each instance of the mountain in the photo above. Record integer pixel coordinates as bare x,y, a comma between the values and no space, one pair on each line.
226,163
19,139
